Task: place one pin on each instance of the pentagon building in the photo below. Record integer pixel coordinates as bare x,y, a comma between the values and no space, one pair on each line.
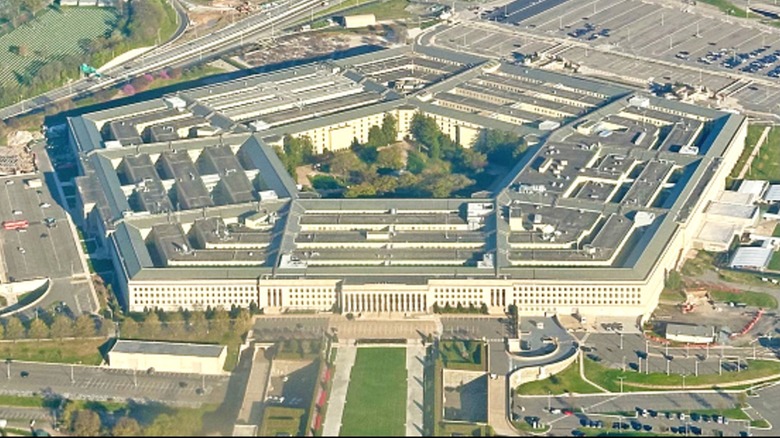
187,195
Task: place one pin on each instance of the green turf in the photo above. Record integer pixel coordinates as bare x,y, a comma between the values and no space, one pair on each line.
766,165
726,7
282,421
51,36
608,377
65,351
376,398
757,299
776,232
463,355
384,10
760,423
21,401
568,380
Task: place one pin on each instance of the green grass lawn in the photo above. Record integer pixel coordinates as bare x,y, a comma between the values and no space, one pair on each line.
776,232
758,299
282,421
774,263
766,165
66,351
753,134
726,7
21,401
376,399
568,380
70,27
699,264
608,377
463,355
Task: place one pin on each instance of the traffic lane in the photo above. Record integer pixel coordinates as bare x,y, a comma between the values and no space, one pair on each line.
103,383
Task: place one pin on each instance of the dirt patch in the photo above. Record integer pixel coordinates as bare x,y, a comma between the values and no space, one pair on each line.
306,46
303,173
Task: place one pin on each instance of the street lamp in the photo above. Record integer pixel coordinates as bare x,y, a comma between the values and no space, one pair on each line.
621,383
683,379
8,368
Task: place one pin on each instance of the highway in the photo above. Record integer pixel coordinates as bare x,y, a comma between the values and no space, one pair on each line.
225,39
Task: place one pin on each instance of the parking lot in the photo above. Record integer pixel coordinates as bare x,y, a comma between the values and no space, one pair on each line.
636,41
41,249
657,413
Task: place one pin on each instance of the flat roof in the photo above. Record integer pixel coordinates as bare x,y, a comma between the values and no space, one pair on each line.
167,348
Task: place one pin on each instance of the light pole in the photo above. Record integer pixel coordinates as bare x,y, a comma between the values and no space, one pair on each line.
549,401
621,340
696,368
683,379
668,362
621,383
8,369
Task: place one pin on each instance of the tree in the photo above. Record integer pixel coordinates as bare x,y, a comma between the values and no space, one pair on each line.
86,423
2,331
390,128
220,323
376,138
242,321
198,324
38,329
345,162
84,326
163,425
483,309
174,324
14,328
128,329
150,327
62,327
390,158
501,147
360,191
126,426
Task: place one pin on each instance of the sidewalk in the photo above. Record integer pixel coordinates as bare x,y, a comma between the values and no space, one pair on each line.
345,359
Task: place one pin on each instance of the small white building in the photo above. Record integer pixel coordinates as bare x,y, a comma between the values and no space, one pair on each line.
754,187
752,257
169,357
356,21
773,193
690,334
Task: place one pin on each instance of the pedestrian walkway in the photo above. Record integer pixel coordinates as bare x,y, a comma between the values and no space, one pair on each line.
345,359
754,152
415,374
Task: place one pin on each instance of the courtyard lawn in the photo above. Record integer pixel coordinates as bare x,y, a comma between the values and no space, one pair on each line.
282,421
608,377
774,263
463,355
376,399
566,381
754,133
757,299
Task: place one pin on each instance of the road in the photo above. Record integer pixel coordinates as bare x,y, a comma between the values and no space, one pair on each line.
220,41
96,383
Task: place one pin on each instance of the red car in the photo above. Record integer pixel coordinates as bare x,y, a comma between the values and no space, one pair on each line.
568,412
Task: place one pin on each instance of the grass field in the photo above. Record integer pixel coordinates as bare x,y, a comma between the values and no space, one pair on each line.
463,355
51,36
753,134
726,7
568,380
376,399
383,10
608,377
766,165
757,299
282,421
66,351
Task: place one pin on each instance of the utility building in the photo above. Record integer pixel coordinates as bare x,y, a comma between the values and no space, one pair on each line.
170,357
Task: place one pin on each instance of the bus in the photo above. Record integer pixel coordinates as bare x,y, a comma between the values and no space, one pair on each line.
16,225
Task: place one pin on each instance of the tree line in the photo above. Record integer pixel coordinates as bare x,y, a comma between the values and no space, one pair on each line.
212,325
47,326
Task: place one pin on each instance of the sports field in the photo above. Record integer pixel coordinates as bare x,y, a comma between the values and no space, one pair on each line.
51,36
376,399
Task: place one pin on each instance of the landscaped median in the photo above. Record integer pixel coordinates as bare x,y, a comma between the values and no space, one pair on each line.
756,372
567,381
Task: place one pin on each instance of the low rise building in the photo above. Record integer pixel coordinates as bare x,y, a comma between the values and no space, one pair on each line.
169,357
690,334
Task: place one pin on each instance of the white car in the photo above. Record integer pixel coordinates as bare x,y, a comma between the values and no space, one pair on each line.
8,182
44,205
21,250
18,212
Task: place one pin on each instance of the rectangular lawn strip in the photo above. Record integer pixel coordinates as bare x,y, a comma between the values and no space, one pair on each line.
568,380
754,133
65,351
608,377
774,263
22,401
463,355
766,165
282,421
376,398
758,299
776,232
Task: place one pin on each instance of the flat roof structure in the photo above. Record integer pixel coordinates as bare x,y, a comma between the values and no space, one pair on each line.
167,348
604,199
